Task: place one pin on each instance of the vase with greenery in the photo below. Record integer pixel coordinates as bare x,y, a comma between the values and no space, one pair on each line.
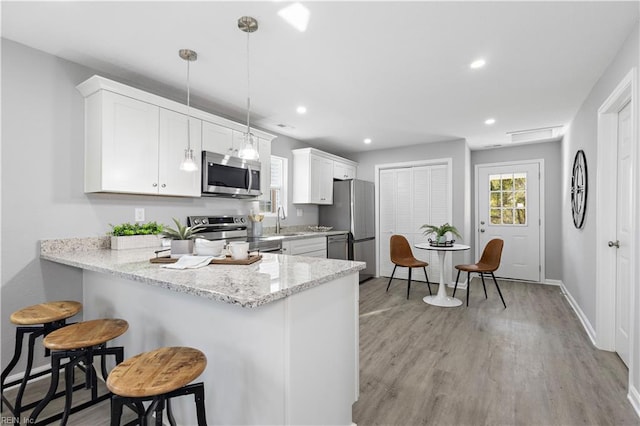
440,232
181,237
137,235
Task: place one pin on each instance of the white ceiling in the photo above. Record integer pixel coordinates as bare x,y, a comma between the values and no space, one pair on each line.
397,72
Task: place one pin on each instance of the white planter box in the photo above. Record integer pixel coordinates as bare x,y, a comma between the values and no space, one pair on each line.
135,241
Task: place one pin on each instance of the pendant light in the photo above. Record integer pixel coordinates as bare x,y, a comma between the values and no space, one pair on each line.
249,150
188,163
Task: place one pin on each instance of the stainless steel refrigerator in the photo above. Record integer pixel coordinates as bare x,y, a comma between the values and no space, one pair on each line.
352,210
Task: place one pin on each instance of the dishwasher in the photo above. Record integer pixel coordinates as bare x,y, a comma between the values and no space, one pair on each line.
338,247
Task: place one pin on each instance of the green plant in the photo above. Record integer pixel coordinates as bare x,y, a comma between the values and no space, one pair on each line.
125,229
182,232
440,231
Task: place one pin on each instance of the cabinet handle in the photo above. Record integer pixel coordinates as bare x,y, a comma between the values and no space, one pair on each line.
164,185
155,184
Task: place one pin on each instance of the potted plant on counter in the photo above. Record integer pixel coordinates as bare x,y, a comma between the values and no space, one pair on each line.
440,233
181,237
137,235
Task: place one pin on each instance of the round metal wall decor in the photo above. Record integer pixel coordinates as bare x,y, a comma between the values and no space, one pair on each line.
579,189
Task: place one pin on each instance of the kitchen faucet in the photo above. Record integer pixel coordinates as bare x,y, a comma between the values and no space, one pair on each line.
284,216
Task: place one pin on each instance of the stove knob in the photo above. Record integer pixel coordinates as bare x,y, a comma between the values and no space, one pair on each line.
242,219
196,221
205,221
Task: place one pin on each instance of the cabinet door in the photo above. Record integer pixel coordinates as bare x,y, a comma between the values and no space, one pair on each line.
129,145
173,142
321,170
217,138
342,171
264,150
237,142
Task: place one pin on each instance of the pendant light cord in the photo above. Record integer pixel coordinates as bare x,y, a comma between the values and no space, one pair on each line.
188,107
248,90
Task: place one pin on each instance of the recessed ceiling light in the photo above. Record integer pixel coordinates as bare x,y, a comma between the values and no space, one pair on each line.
301,109
367,141
489,121
478,63
296,15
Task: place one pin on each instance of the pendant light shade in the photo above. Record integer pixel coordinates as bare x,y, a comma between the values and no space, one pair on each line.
249,150
188,163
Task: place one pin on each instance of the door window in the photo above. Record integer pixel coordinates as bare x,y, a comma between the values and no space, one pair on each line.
508,199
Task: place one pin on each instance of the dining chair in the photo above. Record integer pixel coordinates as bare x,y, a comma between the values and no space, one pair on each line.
401,255
488,263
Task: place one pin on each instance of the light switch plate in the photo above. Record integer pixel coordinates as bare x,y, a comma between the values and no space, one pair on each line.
139,215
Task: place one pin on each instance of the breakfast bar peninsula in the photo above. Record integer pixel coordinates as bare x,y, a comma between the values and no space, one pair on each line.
280,335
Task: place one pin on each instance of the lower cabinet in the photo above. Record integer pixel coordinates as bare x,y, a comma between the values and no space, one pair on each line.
312,247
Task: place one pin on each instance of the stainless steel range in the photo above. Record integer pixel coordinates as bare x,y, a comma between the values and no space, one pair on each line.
233,228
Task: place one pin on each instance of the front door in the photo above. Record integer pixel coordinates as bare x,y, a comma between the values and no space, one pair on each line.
508,207
624,234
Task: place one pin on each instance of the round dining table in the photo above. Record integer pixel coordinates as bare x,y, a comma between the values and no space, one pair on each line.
441,298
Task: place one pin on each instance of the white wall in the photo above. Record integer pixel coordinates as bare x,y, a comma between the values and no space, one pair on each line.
578,245
42,181
457,150
550,153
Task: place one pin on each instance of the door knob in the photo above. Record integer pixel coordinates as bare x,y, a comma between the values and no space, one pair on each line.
615,244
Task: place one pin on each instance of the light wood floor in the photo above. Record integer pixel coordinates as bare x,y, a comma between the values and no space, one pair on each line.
529,364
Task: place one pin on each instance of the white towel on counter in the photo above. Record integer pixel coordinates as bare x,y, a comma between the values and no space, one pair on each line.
190,262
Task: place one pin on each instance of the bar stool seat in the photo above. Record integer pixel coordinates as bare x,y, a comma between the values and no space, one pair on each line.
157,376
34,321
80,342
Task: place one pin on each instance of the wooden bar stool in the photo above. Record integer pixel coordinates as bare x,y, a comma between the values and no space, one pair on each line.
34,321
157,376
79,343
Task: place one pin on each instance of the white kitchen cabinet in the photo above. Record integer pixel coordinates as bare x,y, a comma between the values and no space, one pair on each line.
312,177
132,146
135,141
343,170
172,143
264,151
312,247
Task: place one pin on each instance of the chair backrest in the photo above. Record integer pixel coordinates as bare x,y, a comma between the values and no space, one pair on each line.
492,253
400,248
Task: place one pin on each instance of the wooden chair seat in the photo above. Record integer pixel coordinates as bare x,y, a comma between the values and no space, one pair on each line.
47,312
157,372
85,334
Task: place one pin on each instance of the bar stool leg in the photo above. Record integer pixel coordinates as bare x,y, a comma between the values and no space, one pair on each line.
116,410
200,410
55,376
68,378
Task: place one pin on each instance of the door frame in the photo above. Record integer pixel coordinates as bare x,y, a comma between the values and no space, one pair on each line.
448,161
606,188
540,163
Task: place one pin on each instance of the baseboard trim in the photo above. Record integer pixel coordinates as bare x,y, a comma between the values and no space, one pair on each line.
634,398
581,316
19,376
549,281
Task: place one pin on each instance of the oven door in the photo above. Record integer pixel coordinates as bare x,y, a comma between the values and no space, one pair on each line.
224,175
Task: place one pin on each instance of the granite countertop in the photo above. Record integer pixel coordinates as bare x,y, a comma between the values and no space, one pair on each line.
299,235
274,277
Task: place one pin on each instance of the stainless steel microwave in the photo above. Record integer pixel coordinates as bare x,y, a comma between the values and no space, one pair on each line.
227,176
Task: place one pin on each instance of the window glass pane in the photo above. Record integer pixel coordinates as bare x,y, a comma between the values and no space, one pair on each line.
507,183
495,199
521,199
494,182
507,199
521,217
507,216
520,181
496,217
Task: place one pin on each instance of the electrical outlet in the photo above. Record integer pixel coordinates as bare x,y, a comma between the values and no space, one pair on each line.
298,212
139,215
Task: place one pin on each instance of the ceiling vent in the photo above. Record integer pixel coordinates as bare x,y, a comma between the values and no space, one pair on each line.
543,134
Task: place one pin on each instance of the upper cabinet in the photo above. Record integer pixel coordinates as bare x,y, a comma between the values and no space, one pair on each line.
313,174
135,141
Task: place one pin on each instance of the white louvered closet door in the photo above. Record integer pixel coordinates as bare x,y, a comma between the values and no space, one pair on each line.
409,198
